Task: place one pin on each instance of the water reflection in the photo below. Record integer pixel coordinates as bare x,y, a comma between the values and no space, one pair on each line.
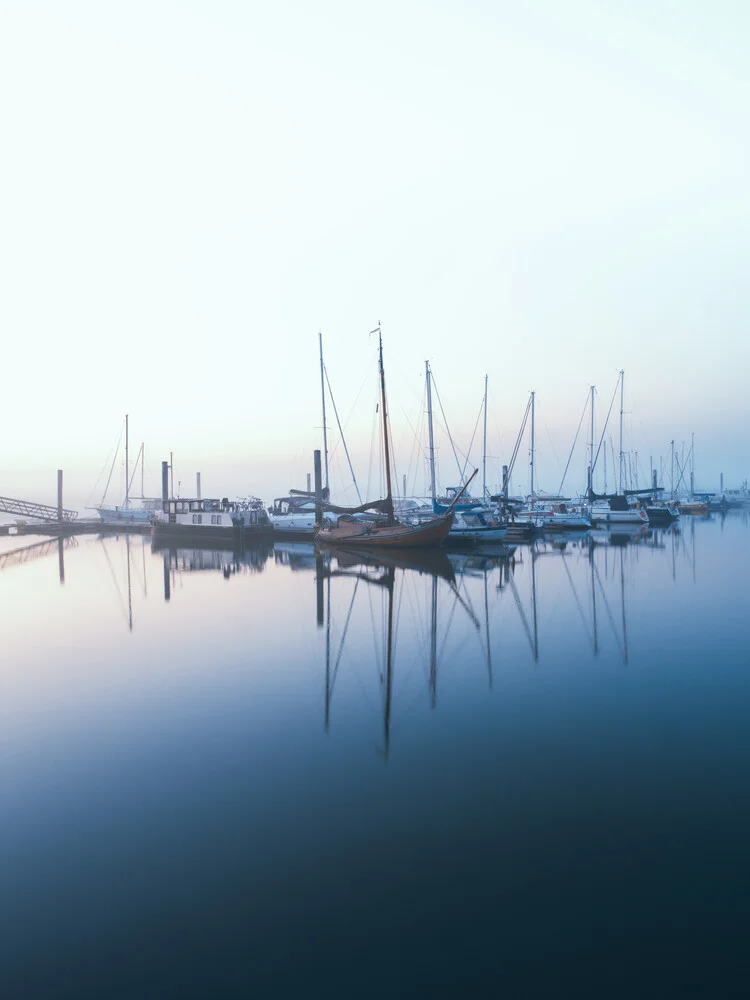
541,592
394,577
24,554
564,725
181,560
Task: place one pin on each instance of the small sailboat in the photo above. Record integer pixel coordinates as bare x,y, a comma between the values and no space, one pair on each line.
127,513
350,529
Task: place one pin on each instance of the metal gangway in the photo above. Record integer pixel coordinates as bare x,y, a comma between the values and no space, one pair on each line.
38,550
40,511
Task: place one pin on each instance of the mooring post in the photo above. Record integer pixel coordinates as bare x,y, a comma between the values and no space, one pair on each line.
165,480
59,495
198,485
318,520
318,488
167,575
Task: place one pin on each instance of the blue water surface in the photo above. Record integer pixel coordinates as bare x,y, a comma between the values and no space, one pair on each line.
507,774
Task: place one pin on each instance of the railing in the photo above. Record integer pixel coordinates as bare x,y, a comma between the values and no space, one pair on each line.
43,512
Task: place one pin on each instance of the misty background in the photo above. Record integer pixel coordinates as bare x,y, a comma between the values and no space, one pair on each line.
544,193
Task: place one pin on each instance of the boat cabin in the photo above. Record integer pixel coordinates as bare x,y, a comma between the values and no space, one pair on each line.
212,511
291,505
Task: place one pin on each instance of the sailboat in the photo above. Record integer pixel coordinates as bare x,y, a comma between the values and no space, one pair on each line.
389,533
617,509
474,520
126,513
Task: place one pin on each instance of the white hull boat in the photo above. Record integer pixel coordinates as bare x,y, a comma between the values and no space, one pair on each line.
128,514
293,516
475,527
603,515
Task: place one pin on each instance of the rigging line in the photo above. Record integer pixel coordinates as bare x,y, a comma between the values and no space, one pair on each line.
604,429
471,443
609,612
450,436
415,445
682,468
575,439
519,439
343,637
521,612
112,467
138,458
467,606
551,442
341,432
114,579
365,381
447,628
101,473
418,456
575,594
374,634
405,667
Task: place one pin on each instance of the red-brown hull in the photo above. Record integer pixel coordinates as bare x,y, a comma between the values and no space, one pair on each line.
399,536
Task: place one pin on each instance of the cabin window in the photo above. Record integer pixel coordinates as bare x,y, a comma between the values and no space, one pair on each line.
197,519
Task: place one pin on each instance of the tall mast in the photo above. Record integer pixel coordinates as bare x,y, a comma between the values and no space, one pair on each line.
428,377
143,462
591,461
323,396
433,644
127,464
532,446
386,447
692,464
389,658
622,398
484,445
671,466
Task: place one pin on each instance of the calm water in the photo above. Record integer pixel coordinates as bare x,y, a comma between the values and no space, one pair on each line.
262,776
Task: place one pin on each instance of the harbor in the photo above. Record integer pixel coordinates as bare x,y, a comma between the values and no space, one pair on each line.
374,501
233,720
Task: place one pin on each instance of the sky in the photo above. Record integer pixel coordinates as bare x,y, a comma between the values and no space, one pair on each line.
542,193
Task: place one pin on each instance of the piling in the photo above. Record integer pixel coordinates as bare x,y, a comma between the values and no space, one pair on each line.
318,520
318,488
165,480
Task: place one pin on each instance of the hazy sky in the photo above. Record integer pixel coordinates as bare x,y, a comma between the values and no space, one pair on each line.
544,192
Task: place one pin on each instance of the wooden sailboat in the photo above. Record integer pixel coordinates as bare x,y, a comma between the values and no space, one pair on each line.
391,533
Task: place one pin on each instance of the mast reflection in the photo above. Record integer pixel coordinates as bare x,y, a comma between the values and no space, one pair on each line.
392,574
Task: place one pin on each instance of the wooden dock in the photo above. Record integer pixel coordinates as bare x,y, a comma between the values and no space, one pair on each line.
84,526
